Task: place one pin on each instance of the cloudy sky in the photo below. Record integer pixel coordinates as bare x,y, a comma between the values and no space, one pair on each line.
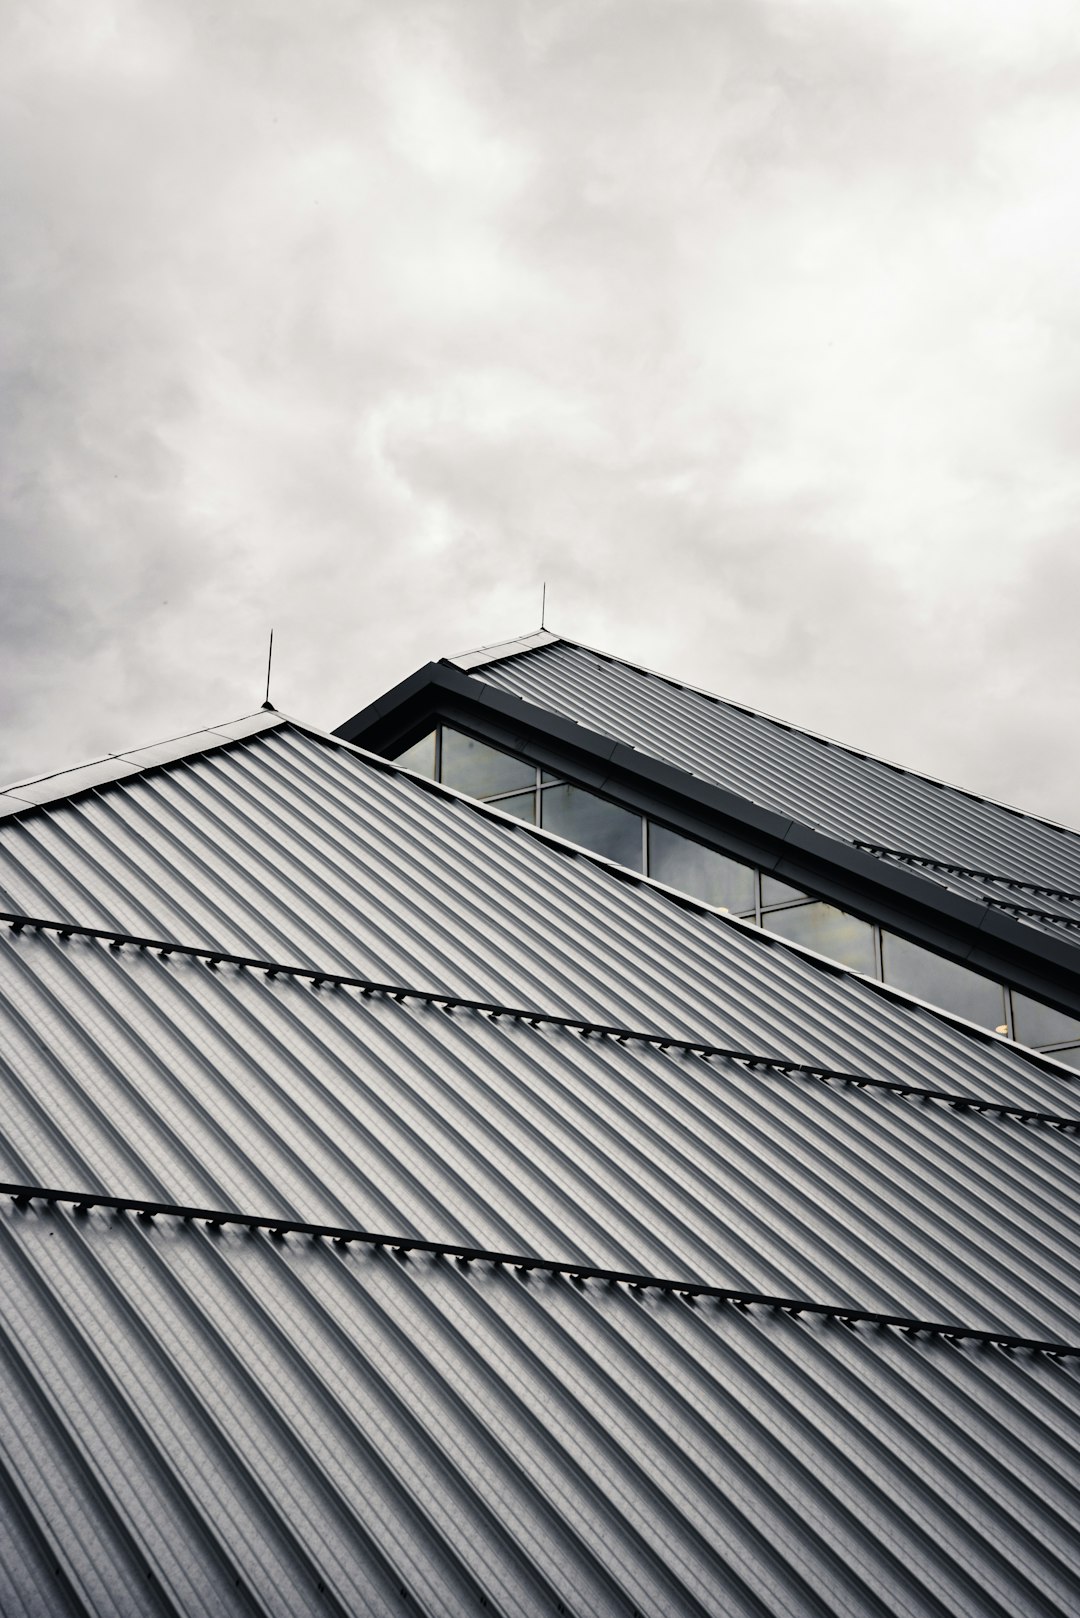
753,328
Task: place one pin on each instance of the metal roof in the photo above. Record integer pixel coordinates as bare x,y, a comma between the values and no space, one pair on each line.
293,847
206,1421
202,1418
125,1071
38,789
833,788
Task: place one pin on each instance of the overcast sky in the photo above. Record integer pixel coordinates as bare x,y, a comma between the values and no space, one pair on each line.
754,329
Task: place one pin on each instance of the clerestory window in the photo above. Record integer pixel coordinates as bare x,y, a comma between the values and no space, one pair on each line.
535,795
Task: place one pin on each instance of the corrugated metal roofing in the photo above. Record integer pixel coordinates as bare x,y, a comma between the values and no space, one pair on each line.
835,789
1053,913
292,847
204,1421
122,1071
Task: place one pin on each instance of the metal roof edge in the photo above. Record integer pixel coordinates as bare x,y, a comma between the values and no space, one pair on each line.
58,785
784,724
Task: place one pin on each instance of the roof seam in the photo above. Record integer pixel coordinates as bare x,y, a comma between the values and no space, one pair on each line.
401,1246
586,1026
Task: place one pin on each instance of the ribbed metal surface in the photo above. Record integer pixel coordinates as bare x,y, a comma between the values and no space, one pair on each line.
127,1072
293,848
200,1420
819,783
1047,913
203,1422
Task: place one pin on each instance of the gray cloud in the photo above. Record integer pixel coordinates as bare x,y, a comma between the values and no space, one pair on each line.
752,329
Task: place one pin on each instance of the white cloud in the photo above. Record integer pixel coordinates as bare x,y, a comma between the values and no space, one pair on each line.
752,329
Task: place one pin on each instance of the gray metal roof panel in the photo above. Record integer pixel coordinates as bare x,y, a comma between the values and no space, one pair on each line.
294,848
127,1072
1051,913
213,1421
219,1421
847,794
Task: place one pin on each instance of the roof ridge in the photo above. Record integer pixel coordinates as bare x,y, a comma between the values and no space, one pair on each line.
502,650
123,765
782,724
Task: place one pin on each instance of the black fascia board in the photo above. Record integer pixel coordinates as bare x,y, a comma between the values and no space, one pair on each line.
980,936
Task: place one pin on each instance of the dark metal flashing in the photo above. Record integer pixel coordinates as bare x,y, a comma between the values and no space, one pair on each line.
785,1065
278,1228
985,936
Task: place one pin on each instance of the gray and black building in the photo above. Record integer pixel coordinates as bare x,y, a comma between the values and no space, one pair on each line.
563,1143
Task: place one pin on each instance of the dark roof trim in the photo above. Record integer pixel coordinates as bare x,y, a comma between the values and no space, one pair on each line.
785,1065
401,1246
985,937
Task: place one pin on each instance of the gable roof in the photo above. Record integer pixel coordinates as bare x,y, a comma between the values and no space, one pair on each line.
839,790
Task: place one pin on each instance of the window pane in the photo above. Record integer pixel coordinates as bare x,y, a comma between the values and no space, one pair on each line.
775,892
522,806
693,868
830,931
1037,1024
584,818
944,983
420,756
480,770
1070,1055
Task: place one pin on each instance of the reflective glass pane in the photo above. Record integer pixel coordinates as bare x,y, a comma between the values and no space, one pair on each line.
830,931
480,770
546,776
584,818
944,983
775,892
1037,1024
522,806
1071,1055
693,868
420,756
